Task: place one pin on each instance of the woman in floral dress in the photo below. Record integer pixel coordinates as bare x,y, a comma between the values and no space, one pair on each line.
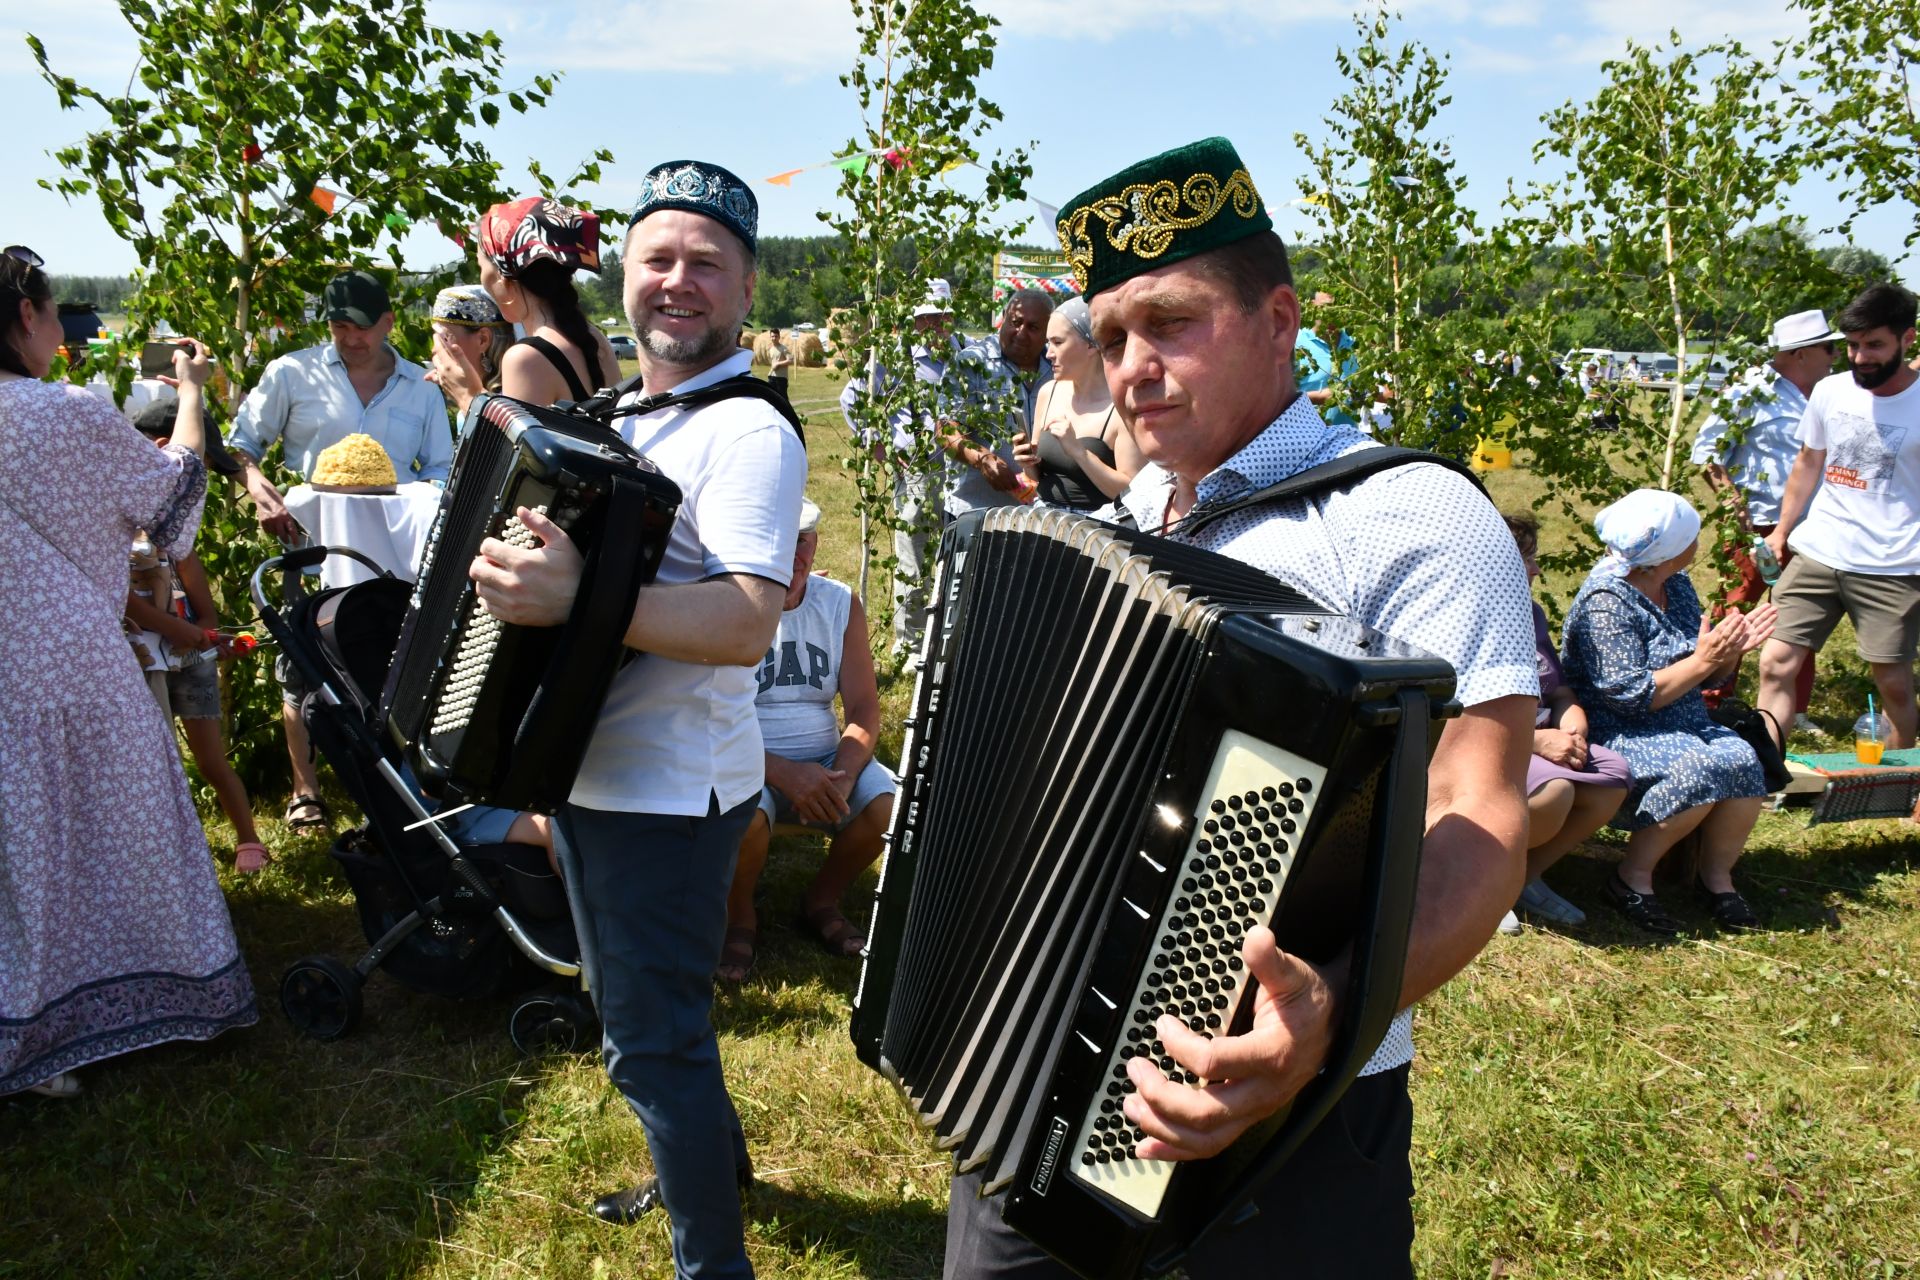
113,933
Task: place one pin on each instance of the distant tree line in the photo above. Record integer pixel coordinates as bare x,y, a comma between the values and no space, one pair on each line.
799,275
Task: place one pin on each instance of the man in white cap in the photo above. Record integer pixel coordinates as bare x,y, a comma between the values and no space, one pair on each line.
1749,445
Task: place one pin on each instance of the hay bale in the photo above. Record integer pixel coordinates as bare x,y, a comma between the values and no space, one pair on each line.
805,349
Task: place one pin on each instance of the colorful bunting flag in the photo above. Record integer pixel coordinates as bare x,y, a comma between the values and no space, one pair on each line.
325,199
856,165
397,221
785,179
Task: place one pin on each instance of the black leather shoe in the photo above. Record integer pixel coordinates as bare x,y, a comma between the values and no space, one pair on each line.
1641,908
1730,909
624,1208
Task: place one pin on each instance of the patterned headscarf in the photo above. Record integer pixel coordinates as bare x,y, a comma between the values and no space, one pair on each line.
466,304
1645,528
1074,312
520,233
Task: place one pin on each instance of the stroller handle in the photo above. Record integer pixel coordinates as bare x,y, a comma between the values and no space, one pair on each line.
301,559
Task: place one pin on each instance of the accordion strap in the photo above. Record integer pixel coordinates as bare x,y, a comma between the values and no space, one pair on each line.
1348,469
605,405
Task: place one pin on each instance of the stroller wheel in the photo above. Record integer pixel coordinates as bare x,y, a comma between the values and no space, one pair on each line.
547,1024
321,997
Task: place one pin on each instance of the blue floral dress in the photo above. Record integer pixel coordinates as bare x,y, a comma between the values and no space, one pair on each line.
1616,638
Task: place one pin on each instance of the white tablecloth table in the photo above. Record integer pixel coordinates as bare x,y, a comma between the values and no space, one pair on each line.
388,528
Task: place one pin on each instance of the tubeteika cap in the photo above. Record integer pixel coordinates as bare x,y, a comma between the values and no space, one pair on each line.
699,187
466,304
1175,205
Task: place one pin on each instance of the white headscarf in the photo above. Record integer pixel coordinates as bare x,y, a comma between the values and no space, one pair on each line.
1644,528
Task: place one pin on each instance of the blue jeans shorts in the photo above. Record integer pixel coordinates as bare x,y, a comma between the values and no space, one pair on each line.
874,781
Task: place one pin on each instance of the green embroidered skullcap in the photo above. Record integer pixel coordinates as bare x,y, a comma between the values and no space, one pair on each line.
1180,203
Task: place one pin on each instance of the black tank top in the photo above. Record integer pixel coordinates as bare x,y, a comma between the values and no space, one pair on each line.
1062,482
558,359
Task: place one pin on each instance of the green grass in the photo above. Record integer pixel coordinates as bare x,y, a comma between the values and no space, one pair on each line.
1586,1105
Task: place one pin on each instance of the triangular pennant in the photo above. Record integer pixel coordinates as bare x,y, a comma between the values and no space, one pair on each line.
856,165
784,179
325,199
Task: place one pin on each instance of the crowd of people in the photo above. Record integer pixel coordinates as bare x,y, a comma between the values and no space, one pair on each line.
1182,375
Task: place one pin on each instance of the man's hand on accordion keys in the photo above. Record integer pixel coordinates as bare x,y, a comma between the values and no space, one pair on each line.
529,586
1247,1077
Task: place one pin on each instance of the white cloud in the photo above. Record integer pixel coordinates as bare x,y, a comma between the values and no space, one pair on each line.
722,37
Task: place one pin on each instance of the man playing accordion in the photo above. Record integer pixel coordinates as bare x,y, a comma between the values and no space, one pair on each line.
1195,317
673,772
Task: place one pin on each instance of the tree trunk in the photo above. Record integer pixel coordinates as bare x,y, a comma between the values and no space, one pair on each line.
1677,397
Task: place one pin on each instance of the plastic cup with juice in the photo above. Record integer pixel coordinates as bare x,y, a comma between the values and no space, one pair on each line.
1870,734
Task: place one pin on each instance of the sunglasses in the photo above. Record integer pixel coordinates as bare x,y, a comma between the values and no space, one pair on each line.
20,253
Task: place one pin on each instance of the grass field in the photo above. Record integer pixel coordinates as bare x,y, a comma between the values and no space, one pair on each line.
1587,1105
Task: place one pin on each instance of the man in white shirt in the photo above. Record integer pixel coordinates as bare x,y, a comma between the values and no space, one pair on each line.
316,397
1748,446
1850,518
674,768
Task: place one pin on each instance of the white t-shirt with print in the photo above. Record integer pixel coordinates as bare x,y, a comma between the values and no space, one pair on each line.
1866,516
675,734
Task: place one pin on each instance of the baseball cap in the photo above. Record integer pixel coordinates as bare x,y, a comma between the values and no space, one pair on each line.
356,297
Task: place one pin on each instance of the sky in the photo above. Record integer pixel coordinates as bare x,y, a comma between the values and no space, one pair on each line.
753,85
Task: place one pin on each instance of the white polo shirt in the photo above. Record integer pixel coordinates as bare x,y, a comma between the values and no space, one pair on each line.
673,735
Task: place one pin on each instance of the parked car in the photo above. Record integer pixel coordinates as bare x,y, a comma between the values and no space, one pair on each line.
624,347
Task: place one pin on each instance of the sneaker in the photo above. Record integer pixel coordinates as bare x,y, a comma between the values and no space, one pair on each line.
1803,725
1538,900
1510,925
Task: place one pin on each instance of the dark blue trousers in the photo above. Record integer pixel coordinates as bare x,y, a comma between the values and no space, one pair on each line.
649,899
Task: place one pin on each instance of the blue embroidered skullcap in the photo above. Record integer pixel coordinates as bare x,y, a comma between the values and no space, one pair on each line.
699,187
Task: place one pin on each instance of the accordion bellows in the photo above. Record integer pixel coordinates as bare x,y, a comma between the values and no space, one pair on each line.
356,460
1124,754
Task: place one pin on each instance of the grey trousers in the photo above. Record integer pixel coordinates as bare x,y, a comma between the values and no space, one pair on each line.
913,567
649,899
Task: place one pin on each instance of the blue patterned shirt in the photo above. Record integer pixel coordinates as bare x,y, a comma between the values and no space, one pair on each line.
306,401
1416,552
1768,409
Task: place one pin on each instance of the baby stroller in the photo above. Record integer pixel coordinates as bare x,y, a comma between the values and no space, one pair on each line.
456,920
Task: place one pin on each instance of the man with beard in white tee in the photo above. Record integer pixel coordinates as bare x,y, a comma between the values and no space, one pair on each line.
1855,546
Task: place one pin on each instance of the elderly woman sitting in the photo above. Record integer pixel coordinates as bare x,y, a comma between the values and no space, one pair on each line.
1637,653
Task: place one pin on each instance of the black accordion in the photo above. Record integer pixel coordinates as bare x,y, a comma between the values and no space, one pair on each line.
1124,753
490,713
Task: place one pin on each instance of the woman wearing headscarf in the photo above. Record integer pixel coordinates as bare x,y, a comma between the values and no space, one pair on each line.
1637,651
466,319
1080,454
528,251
